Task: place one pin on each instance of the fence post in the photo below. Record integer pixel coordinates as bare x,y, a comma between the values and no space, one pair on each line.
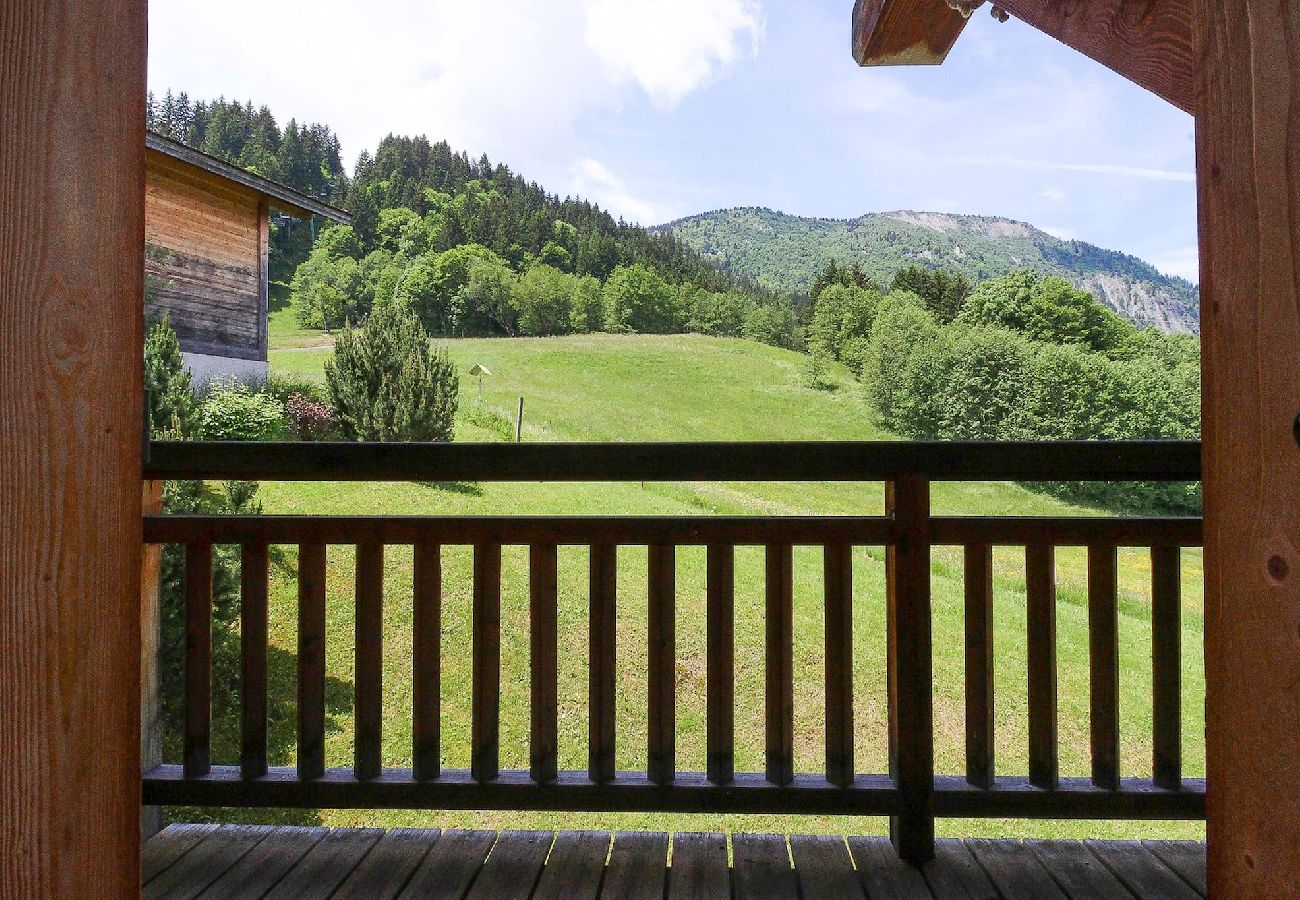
911,673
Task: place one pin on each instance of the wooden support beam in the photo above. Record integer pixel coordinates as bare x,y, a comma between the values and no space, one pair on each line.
1151,43
1248,168
72,88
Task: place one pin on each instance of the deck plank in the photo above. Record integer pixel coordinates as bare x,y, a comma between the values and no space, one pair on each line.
1014,870
883,874
1186,858
699,869
954,874
327,864
761,866
260,868
169,845
825,867
451,866
513,865
388,866
206,862
638,866
1079,873
575,866
1141,871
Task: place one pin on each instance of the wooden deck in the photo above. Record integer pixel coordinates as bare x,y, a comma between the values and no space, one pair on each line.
295,862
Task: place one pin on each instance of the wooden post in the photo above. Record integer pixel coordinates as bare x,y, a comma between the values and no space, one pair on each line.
72,89
150,638
1248,172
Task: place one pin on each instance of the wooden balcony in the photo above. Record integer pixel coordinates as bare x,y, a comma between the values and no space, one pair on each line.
911,793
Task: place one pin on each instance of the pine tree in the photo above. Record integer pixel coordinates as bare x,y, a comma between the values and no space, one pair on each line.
173,407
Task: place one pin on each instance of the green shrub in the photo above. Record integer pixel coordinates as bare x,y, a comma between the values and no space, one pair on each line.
283,385
235,412
385,384
173,406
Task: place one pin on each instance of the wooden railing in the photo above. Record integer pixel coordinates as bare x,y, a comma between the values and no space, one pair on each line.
911,793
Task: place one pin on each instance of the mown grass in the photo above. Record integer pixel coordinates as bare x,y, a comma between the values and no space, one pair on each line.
617,388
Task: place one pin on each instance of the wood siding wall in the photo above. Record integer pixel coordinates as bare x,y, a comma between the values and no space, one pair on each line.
204,259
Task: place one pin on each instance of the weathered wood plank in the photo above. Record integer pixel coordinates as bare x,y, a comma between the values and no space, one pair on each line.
1014,869
1186,858
699,868
638,866
451,866
720,663
904,32
327,864
881,872
574,867
198,659
602,666
978,588
207,862
1040,587
384,871
253,576
169,845
779,673
369,678
1249,213
954,874
1079,873
761,868
838,586
426,691
661,657
311,660
485,722
825,868
543,677
1141,871
1103,665
1166,667
512,867
262,867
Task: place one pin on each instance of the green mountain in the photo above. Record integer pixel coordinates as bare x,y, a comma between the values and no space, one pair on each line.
784,252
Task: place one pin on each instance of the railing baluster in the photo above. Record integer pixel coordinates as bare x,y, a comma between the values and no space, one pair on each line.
543,708
780,663
910,667
661,731
720,663
602,666
252,653
486,714
369,700
839,663
311,660
1166,658
426,707
1040,586
198,659
980,769
1103,665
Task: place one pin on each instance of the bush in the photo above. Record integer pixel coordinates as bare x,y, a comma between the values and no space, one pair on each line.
173,406
283,386
308,419
387,385
235,412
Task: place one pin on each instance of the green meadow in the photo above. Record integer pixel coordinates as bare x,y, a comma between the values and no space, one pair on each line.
686,388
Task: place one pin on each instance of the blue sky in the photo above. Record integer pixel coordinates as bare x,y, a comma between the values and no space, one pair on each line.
662,108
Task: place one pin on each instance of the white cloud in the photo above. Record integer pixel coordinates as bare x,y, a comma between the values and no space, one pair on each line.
1185,262
671,47
1053,196
1011,162
1064,234
592,179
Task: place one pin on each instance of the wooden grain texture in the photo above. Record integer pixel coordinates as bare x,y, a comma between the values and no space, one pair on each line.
485,723
262,867
388,865
1103,665
151,719
699,868
1014,869
198,659
211,858
311,660
1166,667
779,672
1040,589
574,867
904,32
910,667
450,867
426,691
637,867
661,658
1145,875
761,867
720,663
954,873
1186,858
543,674
1248,180
168,846
978,590
253,577
369,666
1078,871
881,872
825,867
512,867
602,663
327,864
838,634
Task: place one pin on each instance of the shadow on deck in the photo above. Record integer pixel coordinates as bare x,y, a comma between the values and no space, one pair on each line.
289,861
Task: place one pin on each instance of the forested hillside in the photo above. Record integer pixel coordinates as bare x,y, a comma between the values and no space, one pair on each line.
784,252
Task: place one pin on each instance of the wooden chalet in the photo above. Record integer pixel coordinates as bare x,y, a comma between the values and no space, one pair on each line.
207,233
77,604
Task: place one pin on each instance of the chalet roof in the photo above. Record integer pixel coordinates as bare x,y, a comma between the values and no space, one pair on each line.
282,197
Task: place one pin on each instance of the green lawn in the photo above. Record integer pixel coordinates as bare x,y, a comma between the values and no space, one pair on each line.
613,388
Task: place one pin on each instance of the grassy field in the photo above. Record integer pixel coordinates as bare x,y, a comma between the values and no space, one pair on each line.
607,388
